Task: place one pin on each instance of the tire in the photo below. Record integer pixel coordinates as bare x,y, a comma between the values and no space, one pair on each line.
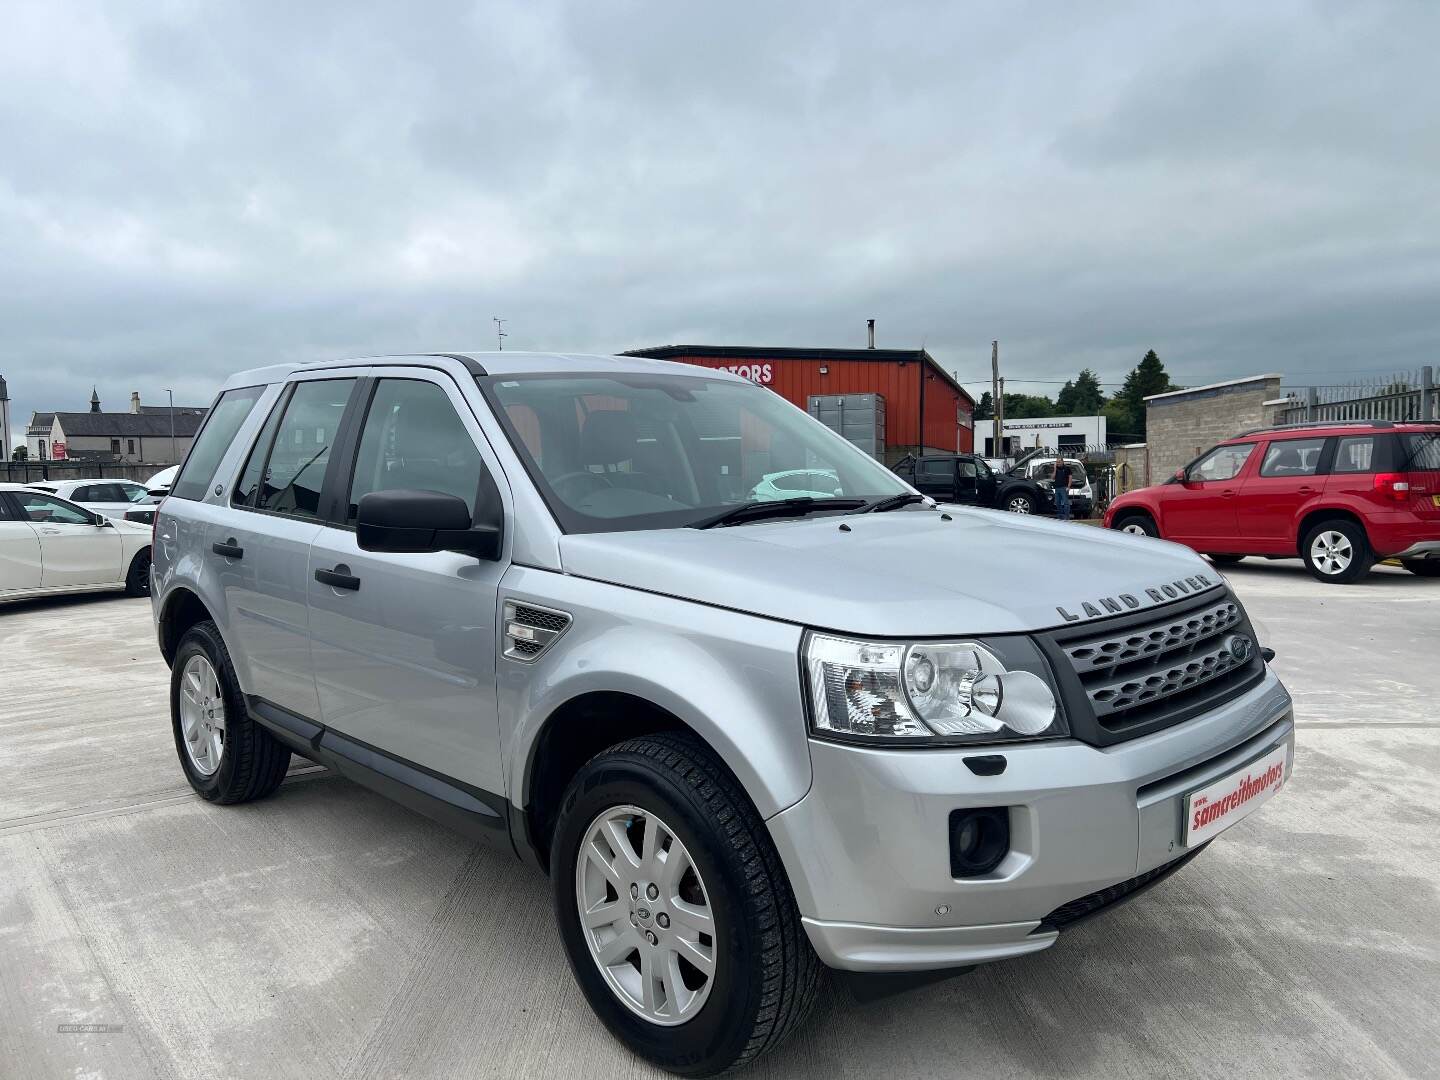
1137,525
251,763
1019,503
1337,552
1422,567
137,579
1224,560
764,972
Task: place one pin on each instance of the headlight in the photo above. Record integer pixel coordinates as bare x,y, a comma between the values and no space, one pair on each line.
957,691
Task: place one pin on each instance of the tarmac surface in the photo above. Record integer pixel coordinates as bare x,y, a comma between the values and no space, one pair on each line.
326,932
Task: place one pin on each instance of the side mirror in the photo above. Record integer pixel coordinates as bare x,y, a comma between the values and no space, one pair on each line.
1181,475
411,522
103,522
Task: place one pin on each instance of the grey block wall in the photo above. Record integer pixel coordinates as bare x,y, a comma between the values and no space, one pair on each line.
1181,426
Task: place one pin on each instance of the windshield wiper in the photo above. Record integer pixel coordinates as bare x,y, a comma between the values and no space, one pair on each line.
893,502
768,508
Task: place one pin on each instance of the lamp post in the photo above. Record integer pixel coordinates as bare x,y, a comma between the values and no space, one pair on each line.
173,459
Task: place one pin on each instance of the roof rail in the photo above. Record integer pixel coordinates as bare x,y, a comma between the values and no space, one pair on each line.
1315,424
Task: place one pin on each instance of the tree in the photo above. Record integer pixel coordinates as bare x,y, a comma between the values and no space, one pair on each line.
1148,377
20,454
1081,397
1027,406
985,407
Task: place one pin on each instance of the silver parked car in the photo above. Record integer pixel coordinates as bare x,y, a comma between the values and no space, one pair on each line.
549,601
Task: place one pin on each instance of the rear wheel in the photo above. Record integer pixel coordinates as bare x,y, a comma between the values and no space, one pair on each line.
1423,567
1337,552
137,579
674,908
226,756
1137,525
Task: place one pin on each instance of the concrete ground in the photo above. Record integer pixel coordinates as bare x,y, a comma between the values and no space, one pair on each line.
326,932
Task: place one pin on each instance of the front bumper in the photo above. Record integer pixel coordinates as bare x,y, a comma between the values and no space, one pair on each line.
867,849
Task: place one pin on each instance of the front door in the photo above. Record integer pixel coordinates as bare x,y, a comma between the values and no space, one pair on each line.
73,549
967,482
19,549
404,645
1200,509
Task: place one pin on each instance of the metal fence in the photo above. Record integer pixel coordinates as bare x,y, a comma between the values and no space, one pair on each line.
1410,395
28,472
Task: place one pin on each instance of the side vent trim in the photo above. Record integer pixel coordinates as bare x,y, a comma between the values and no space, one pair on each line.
530,630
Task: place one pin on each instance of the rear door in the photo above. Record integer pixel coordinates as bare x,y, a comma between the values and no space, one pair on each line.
260,543
404,649
73,549
935,476
19,549
1274,495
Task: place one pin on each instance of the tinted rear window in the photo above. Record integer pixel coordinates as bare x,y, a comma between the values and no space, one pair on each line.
1422,451
218,431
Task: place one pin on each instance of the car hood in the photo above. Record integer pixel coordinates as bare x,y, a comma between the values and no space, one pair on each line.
900,574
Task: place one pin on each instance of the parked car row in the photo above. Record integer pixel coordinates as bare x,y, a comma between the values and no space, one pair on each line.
50,545
1338,496
970,480
117,499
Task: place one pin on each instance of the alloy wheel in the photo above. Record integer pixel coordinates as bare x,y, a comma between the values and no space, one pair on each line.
1019,505
1135,529
1332,552
202,715
645,915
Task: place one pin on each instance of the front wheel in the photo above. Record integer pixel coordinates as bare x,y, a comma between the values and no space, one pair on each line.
1020,503
1137,525
674,908
1337,552
1422,567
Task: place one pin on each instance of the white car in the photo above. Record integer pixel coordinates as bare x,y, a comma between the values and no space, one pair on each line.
797,483
51,545
120,500
159,484
1082,494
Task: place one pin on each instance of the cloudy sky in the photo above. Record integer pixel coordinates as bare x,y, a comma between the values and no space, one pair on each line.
187,189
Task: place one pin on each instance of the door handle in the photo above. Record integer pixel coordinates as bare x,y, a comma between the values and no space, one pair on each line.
339,578
1228,493
1306,490
229,549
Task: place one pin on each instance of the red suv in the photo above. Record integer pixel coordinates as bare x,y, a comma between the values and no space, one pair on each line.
1338,495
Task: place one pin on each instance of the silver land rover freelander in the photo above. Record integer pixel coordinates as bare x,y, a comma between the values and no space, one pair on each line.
560,602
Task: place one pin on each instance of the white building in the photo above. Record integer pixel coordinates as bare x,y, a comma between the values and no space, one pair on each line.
1057,432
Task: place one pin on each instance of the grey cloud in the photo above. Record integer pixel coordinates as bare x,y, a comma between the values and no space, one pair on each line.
187,191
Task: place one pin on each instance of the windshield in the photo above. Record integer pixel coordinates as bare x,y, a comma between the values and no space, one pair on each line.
619,452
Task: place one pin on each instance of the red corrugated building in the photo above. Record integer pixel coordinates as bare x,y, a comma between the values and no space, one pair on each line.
910,381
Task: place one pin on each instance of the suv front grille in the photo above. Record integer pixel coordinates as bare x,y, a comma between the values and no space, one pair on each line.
1138,673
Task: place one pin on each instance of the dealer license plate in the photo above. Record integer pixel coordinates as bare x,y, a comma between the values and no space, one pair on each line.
1212,809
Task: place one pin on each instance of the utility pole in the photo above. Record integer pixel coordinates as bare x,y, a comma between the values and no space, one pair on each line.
500,334
173,459
997,392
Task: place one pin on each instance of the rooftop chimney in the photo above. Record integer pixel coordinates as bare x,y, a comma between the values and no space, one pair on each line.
135,401
94,399
870,326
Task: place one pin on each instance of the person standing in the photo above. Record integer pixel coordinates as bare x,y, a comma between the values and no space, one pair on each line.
1062,488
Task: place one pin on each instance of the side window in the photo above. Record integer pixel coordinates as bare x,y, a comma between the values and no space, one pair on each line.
295,470
967,470
1292,457
84,493
1355,454
216,434
134,493
414,440
936,468
1222,463
110,493
248,491
46,509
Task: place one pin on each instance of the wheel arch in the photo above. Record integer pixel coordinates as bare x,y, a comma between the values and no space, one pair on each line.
1315,516
181,609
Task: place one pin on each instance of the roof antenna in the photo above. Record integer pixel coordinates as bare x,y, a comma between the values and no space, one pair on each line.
500,334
